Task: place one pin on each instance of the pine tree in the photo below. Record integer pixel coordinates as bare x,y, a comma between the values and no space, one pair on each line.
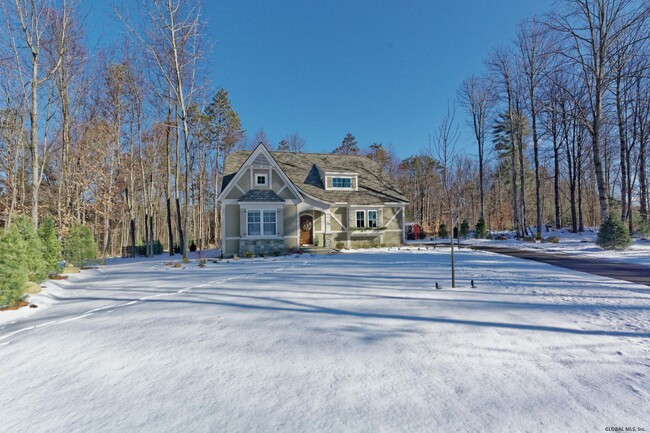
51,245
13,266
348,146
442,231
80,246
464,228
36,267
283,146
481,229
613,235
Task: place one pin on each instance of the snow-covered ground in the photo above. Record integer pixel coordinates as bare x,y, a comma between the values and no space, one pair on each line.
354,342
579,244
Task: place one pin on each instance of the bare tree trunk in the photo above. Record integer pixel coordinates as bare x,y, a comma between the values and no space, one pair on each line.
623,146
168,181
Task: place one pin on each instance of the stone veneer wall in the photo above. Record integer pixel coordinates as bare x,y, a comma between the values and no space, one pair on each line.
260,246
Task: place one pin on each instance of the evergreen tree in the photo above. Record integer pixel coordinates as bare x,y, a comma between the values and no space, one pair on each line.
13,266
80,246
464,228
481,229
613,235
37,270
348,146
283,146
442,231
51,245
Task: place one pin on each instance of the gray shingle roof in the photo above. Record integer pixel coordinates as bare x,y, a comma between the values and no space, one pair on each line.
263,195
375,187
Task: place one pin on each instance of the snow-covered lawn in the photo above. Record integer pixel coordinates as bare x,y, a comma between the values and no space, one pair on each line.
579,244
351,342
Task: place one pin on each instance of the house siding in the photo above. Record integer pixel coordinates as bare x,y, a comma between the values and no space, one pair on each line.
232,222
290,232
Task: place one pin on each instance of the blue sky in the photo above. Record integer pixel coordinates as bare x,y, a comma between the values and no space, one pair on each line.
382,70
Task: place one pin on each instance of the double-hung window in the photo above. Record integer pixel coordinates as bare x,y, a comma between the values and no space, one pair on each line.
254,226
361,219
366,219
261,223
372,219
341,182
269,223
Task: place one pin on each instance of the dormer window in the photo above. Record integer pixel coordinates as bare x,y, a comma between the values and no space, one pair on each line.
260,180
342,182
338,180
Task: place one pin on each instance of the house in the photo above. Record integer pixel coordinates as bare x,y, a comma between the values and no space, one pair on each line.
275,201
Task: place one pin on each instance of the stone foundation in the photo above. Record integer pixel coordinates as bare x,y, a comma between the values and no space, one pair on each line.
260,246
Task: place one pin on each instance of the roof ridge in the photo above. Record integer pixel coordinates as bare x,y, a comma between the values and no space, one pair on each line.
305,153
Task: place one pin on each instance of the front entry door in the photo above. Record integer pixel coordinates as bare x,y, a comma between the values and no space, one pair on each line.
306,230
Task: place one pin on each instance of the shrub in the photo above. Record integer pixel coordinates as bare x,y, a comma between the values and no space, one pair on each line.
442,231
51,245
80,246
13,266
316,242
339,245
464,229
192,247
481,229
37,269
249,255
613,235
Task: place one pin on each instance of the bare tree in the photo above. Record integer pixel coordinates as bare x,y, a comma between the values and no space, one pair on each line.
591,30
534,50
172,37
444,150
31,25
476,95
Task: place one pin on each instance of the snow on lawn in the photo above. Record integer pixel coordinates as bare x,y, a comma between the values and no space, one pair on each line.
579,244
350,342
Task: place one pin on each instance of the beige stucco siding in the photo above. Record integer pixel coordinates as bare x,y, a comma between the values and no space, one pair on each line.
289,220
231,220
230,247
277,183
341,214
392,238
245,181
396,223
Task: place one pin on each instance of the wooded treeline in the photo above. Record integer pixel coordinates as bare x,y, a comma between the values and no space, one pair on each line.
130,140
561,121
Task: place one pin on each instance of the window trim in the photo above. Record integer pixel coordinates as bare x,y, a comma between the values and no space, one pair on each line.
366,219
363,219
262,175
342,178
262,233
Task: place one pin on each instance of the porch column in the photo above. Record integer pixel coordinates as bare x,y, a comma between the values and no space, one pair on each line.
328,228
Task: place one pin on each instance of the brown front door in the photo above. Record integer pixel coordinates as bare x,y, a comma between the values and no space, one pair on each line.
306,230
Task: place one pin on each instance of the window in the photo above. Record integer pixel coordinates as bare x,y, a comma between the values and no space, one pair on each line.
261,223
260,179
372,219
341,182
366,219
269,223
254,228
361,219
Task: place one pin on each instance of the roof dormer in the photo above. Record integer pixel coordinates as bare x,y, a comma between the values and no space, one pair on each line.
340,181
